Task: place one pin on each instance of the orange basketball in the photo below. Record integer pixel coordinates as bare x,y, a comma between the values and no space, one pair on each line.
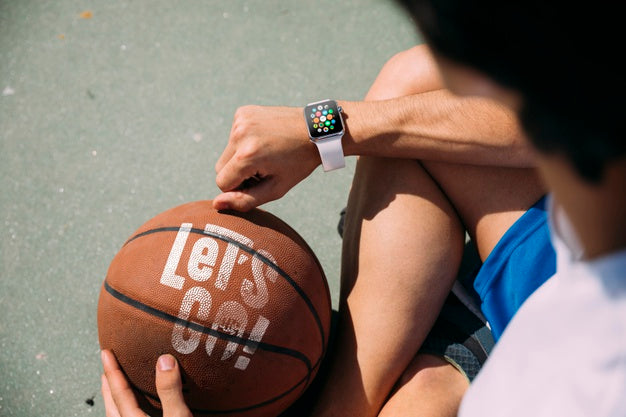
238,298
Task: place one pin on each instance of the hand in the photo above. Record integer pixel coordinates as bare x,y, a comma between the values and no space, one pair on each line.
268,152
119,399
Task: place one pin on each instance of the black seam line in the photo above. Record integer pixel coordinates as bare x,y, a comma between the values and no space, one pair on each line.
252,252
195,411
203,329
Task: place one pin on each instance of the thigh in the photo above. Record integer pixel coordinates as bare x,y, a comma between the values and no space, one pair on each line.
488,199
397,217
402,248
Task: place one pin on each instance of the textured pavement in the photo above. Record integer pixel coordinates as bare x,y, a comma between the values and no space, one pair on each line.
114,111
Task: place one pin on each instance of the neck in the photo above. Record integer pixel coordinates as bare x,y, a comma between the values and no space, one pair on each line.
597,211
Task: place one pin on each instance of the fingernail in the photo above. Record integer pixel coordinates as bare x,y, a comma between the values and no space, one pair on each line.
103,356
166,362
221,206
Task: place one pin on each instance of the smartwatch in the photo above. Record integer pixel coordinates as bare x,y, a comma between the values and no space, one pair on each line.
325,124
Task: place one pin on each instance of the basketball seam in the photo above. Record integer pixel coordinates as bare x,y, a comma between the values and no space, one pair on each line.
233,410
252,252
203,329
224,336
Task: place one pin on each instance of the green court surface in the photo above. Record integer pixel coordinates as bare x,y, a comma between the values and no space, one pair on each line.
113,111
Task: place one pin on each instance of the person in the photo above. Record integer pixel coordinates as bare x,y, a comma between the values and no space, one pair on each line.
445,164
564,353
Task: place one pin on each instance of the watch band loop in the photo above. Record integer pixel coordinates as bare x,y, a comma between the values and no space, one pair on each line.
331,153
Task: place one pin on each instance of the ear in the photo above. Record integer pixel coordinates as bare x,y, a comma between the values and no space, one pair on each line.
467,81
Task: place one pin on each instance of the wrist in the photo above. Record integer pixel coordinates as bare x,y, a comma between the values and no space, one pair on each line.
353,127
362,124
374,127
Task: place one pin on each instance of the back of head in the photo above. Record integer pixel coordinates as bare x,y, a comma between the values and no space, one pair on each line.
562,57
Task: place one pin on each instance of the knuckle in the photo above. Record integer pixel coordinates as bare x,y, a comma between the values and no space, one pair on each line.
240,130
239,113
247,153
244,112
243,121
244,153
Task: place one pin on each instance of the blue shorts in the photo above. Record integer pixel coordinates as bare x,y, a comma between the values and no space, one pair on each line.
522,260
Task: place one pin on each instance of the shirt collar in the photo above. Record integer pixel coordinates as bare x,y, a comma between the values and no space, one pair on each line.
563,235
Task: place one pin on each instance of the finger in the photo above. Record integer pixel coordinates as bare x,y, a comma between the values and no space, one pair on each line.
170,388
234,172
230,149
234,200
247,199
226,156
109,404
121,391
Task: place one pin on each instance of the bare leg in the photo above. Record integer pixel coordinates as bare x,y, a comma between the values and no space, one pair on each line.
403,242
397,268
393,285
430,386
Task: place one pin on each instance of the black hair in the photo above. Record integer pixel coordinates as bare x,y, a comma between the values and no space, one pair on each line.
562,57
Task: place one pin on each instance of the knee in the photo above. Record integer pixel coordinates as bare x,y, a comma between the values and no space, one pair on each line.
428,372
412,71
427,388
409,58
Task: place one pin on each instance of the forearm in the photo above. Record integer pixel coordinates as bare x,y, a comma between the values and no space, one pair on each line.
437,126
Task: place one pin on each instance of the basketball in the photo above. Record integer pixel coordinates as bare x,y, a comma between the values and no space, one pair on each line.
239,299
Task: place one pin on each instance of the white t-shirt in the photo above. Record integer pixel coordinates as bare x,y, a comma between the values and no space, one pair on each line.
564,352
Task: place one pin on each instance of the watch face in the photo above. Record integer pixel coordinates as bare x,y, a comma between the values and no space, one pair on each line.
323,119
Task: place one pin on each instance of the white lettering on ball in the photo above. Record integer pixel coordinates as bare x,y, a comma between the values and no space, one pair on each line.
194,295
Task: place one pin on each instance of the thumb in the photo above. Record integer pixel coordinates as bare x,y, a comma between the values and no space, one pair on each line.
170,388
246,199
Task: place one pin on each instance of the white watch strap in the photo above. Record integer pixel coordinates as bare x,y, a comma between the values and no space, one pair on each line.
331,152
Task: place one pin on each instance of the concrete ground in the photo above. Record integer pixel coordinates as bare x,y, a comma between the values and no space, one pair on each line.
113,111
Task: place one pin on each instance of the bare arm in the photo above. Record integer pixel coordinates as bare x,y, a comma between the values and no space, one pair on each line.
432,125
437,126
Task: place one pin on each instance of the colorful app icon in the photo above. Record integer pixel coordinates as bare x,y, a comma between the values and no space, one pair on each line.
323,119
319,130
329,117
314,125
325,129
312,115
333,121
319,107
330,111
318,113
327,123
332,127
326,106
316,120
325,112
